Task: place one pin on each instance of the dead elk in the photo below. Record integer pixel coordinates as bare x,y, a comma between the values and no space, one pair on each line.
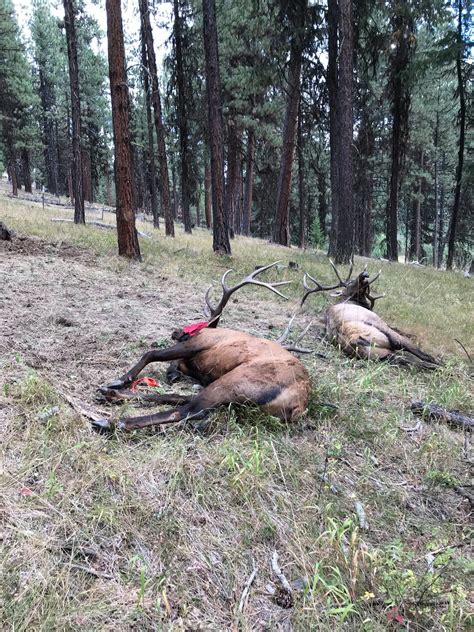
233,367
353,326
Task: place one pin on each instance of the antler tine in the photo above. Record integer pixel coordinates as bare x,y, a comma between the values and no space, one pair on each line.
372,299
286,333
335,270
348,277
319,287
375,278
227,291
208,309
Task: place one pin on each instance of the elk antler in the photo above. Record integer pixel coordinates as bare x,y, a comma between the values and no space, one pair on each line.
294,346
214,313
324,288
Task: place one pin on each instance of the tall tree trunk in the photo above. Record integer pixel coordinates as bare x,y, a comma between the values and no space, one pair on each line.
281,228
436,193
149,124
160,130
126,231
418,214
26,170
50,140
403,32
13,178
198,206
207,194
108,186
322,201
248,193
462,130
232,167
301,204
69,22
221,243
345,227
182,121
332,82
238,197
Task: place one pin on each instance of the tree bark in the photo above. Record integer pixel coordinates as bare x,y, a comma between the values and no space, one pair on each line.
301,200
50,140
462,129
182,121
13,178
248,193
26,170
221,243
345,227
281,229
69,22
403,31
149,123
436,193
207,195
332,83
160,130
232,167
127,234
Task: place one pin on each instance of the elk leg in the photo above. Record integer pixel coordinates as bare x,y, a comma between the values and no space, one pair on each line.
181,350
114,396
235,387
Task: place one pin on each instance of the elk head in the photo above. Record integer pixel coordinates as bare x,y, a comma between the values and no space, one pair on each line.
346,290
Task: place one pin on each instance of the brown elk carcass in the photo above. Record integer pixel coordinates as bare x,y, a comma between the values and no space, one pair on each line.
233,367
353,326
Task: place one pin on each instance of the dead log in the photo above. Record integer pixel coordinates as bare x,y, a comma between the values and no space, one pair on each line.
5,233
94,223
437,413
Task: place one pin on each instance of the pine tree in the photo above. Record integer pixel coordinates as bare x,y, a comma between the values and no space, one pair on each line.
127,235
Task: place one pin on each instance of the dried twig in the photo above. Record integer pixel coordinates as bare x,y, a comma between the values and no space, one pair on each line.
285,584
245,592
91,571
414,428
464,349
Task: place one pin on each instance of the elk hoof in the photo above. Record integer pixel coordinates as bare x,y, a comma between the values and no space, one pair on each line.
106,394
116,384
173,375
102,425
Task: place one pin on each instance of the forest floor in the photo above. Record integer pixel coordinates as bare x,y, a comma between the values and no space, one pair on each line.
164,529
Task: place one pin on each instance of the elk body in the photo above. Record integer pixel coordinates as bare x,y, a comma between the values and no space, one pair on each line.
233,367
353,326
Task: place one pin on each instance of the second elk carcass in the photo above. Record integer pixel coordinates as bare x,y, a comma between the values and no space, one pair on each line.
353,326
233,367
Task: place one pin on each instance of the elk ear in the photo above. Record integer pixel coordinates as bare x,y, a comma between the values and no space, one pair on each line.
336,293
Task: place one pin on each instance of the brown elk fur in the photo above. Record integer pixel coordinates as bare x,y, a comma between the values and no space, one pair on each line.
233,366
359,332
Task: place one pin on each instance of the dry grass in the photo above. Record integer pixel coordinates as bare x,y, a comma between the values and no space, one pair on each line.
161,530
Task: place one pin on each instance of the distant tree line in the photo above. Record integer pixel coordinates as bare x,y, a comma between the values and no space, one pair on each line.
344,125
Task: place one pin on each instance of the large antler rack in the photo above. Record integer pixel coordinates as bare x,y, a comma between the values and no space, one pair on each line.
214,313
319,287
363,279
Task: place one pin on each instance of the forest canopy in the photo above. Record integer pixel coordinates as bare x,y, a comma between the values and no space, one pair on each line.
345,126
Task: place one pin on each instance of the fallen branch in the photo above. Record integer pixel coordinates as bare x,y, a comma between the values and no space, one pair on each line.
95,223
245,592
91,571
464,349
80,407
284,597
451,417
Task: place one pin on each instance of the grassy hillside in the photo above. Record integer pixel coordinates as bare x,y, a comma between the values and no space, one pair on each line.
163,529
